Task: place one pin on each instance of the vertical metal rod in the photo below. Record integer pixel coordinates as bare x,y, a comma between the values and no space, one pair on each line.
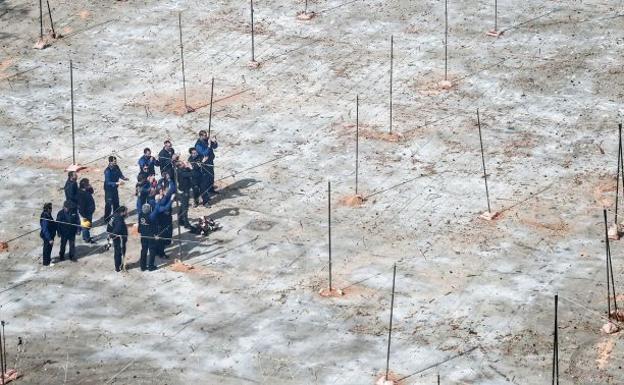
210,115
438,378
487,192
445,39
71,86
305,10
175,173
2,363
253,56
390,327
329,232
51,22
182,59
391,73
607,248
495,15
617,182
555,367
357,141
40,19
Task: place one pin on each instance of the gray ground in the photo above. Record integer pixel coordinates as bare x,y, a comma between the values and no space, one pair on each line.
473,296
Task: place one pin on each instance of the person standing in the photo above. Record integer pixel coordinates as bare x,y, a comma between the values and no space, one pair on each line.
86,208
205,147
165,158
113,178
118,231
71,187
147,229
147,161
164,230
68,225
195,162
47,233
185,183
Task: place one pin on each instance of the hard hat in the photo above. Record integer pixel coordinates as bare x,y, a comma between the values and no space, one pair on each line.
85,223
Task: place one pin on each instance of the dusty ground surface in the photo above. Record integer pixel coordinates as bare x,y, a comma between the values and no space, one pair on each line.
474,298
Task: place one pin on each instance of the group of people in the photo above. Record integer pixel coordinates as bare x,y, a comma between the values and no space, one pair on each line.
178,181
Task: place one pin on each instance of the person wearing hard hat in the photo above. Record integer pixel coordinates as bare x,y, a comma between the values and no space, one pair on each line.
86,208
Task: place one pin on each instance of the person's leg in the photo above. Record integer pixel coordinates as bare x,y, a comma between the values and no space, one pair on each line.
196,191
205,188
115,202
184,207
72,248
123,252
47,253
211,179
144,251
152,246
117,253
62,248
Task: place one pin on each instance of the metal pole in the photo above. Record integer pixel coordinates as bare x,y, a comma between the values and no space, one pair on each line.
329,233
71,86
175,173
495,15
357,141
604,211
390,328
445,39
305,10
617,182
2,364
182,59
487,192
51,22
438,378
555,367
210,115
40,20
253,57
391,71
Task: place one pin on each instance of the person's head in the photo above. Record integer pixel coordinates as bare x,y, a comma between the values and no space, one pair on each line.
47,207
146,208
147,152
112,161
141,178
84,183
157,197
167,144
72,175
165,175
122,211
68,205
203,135
192,151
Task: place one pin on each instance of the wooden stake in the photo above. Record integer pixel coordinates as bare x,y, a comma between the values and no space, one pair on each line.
71,86
329,232
555,363
495,15
390,327
617,182
487,192
610,277
2,363
391,73
210,115
357,140
445,39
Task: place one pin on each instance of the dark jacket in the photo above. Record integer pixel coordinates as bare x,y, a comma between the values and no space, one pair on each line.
185,179
86,203
206,149
68,224
150,162
48,226
147,226
71,191
118,226
164,160
196,165
111,177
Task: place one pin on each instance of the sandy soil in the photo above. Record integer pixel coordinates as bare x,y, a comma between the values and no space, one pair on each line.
474,298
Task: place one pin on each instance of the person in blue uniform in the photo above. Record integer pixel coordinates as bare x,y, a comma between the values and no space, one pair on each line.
165,158
113,178
67,226
86,208
205,147
71,187
118,231
148,228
